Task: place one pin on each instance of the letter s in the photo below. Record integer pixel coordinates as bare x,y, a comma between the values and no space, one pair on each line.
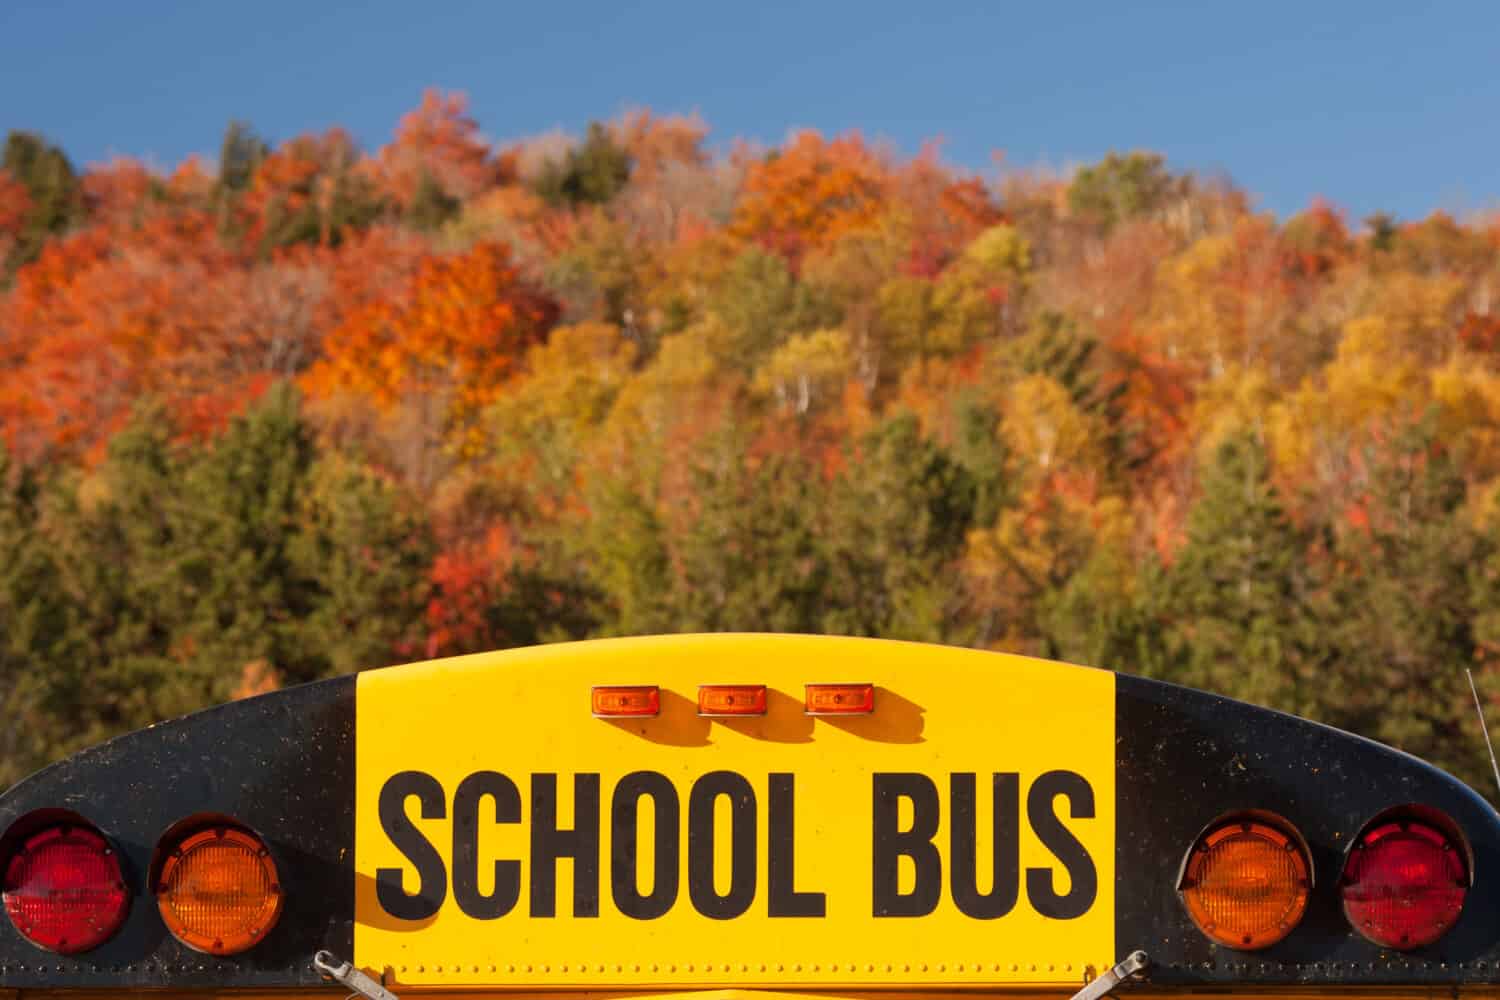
1082,876
432,886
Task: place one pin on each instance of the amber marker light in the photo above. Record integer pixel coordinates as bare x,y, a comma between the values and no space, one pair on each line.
840,699
732,700
218,891
626,701
1245,883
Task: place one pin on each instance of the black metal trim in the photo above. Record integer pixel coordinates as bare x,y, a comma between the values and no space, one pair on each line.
1184,757
282,765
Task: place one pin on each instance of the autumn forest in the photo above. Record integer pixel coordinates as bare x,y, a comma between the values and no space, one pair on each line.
310,408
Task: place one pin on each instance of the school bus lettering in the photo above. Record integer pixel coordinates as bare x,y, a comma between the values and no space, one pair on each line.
551,844
916,843
1040,883
506,798
786,901
701,814
1005,860
625,857
432,878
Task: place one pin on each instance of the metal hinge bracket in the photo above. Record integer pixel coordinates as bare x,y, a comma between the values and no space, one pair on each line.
1096,989
329,965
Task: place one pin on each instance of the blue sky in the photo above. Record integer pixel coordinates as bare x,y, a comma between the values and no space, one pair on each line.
1374,106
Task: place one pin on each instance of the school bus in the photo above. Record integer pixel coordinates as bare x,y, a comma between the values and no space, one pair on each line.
750,814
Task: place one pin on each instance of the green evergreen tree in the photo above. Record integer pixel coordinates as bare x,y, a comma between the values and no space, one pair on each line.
751,558
1118,188
592,173
1405,615
367,549
1102,615
1240,602
431,207
897,520
37,623
54,189
177,568
241,152
762,304
1054,346
980,449
120,538
624,550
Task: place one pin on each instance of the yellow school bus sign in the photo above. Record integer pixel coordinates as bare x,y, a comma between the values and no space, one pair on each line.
961,833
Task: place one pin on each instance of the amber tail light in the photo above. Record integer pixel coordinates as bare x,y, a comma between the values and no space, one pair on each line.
1245,881
218,891
64,891
1405,881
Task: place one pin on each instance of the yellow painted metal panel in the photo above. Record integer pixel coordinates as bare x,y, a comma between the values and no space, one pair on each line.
1038,735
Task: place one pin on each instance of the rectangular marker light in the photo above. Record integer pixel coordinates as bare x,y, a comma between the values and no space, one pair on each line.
732,699
840,699
626,701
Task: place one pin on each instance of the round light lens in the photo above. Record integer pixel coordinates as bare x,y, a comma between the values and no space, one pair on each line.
1404,884
1246,884
218,892
64,891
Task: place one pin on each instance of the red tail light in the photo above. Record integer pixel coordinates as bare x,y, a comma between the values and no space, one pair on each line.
64,891
1404,883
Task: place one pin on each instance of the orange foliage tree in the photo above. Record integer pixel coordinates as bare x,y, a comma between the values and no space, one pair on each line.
162,307
457,330
15,205
438,143
809,193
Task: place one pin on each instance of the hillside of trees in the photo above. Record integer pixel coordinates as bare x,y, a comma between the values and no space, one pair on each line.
314,408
